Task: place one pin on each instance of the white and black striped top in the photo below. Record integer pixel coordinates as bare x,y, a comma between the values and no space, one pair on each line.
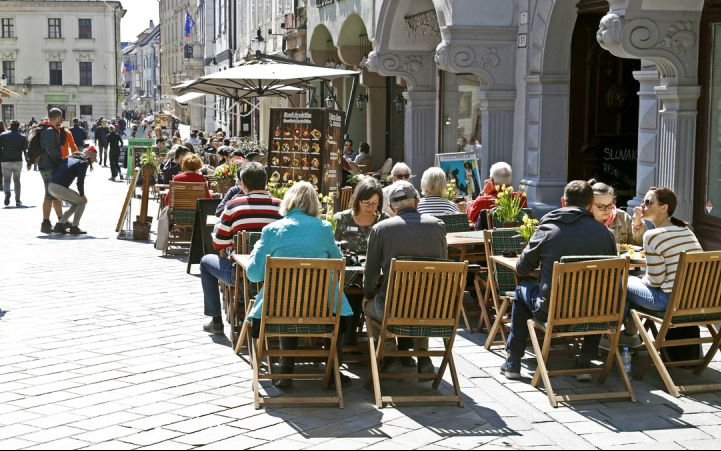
432,205
664,247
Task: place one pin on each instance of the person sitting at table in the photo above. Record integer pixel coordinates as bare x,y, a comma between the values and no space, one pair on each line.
433,185
191,164
408,234
251,212
353,226
501,176
301,233
625,229
232,192
663,246
400,172
570,230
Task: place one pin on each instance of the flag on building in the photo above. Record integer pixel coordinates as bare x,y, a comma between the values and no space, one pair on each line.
126,68
189,24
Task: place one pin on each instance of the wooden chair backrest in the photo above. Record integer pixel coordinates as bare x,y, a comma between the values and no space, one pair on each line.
697,287
588,292
184,196
302,290
345,194
424,293
366,164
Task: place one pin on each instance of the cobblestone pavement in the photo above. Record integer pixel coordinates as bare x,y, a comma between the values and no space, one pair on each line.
101,346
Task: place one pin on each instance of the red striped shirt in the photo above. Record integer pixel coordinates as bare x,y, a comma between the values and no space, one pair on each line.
249,212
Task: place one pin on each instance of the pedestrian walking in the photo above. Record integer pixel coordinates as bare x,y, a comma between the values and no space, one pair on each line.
13,147
115,142
79,134
101,140
72,168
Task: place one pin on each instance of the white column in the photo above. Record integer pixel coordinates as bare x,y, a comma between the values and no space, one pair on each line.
677,145
420,130
647,159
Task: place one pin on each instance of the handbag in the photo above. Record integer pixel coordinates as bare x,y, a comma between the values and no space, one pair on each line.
163,235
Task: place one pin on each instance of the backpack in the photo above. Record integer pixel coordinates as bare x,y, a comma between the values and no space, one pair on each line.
35,150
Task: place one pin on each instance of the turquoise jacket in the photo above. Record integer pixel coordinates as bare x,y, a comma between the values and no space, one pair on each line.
296,235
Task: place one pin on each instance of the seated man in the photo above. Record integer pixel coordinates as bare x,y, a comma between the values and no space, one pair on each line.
501,175
408,234
250,211
571,230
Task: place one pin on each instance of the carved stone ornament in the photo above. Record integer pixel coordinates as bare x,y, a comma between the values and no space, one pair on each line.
51,55
8,55
669,44
460,59
412,67
85,56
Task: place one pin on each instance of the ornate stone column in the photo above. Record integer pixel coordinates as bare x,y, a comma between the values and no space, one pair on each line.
647,160
668,37
419,71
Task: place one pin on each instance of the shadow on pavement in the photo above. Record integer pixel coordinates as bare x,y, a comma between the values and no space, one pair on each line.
2,313
16,207
61,237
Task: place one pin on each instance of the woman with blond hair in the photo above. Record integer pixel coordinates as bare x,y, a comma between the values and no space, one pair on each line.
301,233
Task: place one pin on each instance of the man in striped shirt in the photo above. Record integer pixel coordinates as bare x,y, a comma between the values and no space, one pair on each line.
246,212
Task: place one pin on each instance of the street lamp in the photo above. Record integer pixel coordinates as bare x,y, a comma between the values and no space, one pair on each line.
399,103
360,101
257,44
330,101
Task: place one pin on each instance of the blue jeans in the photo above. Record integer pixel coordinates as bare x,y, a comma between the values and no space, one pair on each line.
638,294
212,269
527,305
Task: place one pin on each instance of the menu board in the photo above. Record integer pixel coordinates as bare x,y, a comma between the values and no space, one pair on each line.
305,145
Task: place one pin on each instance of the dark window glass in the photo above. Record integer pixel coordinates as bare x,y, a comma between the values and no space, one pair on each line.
54,31
85,29
8,28
56,73
9,71
8,113
86,110
86,73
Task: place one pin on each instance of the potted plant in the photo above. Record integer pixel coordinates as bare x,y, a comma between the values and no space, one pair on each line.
507,206
527,229
149,165
328,208
225,177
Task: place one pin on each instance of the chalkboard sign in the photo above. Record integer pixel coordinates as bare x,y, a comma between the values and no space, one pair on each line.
619,169
136,146
201,242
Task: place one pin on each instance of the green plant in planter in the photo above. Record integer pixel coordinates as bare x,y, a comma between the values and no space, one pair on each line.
149,161
528,228
328,208
508,206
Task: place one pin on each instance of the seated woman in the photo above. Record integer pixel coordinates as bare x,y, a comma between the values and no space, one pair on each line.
433,185
301,233
353,226
625,229
663,245
190,165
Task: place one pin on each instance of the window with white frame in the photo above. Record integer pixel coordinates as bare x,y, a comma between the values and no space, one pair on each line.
55,28
7,29
9,71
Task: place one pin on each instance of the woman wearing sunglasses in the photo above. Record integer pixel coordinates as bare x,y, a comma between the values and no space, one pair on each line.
625,229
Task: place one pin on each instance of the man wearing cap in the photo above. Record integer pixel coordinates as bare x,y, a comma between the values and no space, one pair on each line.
13,147
408,234
400,172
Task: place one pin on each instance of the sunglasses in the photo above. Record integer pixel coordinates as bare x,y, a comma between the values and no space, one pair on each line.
647,203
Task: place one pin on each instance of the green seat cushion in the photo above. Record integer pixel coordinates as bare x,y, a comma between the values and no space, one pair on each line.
422,331
711,317
183,216
581,327
455,222
298,329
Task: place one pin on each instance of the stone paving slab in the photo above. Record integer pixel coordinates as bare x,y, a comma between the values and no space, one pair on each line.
101,347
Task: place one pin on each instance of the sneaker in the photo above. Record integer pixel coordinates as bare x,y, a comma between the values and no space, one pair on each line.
75,230
46,227
121,177
60,228
582,364
18,203
425,365
212,327
632,341
112,179
7,201
512,370
408,361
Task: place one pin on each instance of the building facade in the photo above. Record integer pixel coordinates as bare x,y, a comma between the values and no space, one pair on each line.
60,53
624,91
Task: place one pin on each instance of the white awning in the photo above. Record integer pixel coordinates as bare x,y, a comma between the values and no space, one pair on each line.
185,98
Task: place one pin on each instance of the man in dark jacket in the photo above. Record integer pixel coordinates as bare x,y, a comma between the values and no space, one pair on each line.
115,142
79,134
51,156
101,140
13,147
571,230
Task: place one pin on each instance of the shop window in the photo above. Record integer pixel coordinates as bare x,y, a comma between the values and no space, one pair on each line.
86,110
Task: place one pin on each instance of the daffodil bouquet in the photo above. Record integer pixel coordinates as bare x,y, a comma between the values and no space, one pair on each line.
528,228
508,206
328,208
451,191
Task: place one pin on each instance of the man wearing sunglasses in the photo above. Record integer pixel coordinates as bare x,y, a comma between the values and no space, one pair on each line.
400,172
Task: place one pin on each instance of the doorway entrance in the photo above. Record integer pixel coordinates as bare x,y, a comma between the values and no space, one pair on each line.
603,124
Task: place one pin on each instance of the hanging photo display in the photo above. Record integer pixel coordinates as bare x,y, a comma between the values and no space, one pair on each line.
461,167
305,145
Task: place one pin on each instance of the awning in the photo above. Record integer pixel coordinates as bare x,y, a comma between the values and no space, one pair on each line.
185,98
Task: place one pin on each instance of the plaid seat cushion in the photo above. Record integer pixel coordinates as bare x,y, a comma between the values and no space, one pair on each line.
183,216
455,223
582,327
505,241
711,317
299,329
422,331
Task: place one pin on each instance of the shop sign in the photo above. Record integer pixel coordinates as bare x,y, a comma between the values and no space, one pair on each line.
56,98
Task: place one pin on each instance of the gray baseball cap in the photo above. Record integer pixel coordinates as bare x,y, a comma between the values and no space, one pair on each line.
400,191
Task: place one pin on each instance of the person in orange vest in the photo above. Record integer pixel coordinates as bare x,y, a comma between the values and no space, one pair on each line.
68,146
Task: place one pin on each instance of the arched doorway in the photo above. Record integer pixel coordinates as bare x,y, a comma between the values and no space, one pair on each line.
604,108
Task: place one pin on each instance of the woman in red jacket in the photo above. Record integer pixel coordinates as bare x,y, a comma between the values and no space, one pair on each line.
190,165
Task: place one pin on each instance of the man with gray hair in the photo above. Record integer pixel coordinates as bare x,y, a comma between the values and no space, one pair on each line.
408,234
400,171
501,176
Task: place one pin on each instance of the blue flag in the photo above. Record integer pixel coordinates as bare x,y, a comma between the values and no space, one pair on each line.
189,24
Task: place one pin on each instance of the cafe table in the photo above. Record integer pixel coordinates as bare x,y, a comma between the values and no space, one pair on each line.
463,240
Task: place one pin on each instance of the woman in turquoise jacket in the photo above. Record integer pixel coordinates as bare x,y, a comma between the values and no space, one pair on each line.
301,233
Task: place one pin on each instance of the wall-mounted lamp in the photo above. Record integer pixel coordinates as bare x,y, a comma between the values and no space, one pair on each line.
257,44
27,85
448,120
330,101
360,101
399,103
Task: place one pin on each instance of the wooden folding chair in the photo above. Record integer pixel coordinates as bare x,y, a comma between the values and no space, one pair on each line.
366,164
345,194
695,301
423,300
182,202
302,298
502,282
250,290
587,298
